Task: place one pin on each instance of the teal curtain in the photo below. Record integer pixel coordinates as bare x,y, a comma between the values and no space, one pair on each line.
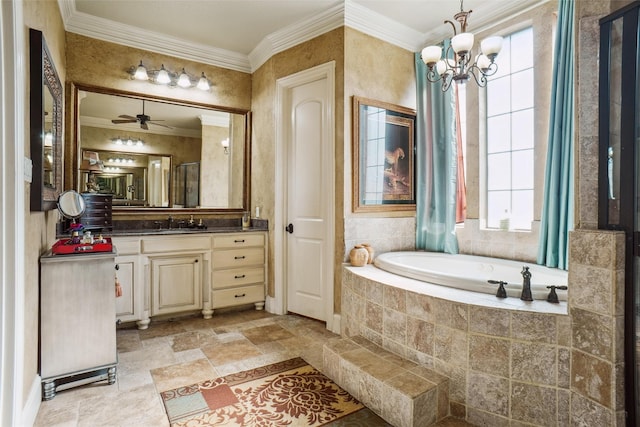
436,165
557,208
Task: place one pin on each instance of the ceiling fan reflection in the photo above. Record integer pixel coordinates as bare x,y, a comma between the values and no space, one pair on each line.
143,119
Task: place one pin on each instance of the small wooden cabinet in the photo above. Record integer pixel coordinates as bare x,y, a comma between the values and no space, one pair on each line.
239,270
97,215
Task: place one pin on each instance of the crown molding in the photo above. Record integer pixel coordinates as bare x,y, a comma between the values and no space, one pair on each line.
345,13
114,32
295,34
379,26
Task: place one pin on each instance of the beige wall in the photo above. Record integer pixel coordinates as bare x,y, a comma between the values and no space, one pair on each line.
43,16
320,50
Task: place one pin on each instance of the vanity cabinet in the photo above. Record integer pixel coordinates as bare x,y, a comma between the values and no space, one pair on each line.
130,273
176,283
170,274
239,270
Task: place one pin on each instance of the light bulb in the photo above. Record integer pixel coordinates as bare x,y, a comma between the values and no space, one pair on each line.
163,76
203,83
184,80
483,62
141,73
491,46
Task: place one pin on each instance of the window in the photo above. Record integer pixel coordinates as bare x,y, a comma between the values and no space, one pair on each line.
510,135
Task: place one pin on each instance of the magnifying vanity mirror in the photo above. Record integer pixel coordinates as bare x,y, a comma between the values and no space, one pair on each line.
154,154
71,204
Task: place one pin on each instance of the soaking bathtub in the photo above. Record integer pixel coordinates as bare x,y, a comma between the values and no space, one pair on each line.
472,273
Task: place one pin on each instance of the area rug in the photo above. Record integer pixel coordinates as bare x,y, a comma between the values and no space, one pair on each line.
290,393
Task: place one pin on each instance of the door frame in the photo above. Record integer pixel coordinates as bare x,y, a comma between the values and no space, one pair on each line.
284,85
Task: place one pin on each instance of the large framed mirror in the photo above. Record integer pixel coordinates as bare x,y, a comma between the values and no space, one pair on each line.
155,154
45,116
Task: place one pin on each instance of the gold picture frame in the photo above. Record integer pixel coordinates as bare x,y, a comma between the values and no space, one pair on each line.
383,149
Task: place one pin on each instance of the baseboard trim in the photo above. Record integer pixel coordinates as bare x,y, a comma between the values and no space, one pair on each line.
335,326
273,306
32,405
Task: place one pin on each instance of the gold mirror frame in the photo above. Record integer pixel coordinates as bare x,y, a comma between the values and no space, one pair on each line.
75,151
383,149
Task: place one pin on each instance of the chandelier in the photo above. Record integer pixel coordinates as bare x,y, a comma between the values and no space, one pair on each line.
457,65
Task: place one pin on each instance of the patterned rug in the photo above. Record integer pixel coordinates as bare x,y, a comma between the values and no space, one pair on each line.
290,393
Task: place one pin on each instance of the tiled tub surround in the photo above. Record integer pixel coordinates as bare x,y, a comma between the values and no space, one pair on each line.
508,363
502,363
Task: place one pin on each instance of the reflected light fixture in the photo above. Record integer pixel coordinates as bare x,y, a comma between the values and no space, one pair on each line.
128,142
48,139
225,145
167,78
458,63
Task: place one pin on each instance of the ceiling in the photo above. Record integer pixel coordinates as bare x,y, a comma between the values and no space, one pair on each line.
243,34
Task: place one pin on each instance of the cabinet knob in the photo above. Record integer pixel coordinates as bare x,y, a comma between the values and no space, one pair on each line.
117,267
196,260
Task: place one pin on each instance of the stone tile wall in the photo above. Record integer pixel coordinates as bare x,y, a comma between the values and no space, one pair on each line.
503,366
508,366
596,304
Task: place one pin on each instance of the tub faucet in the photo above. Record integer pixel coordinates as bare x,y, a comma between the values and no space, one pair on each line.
526,284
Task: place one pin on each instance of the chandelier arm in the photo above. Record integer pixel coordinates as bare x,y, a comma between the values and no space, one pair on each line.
493,68
433,76
447,79
455,31
474,71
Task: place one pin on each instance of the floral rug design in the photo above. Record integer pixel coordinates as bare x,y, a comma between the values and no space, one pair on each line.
290,393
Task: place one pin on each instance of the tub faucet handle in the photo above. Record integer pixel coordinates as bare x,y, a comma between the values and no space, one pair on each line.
501,293
553,296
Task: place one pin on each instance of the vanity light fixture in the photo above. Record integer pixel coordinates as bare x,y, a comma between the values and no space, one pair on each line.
48,139
168,78
457,64
225,145
128,142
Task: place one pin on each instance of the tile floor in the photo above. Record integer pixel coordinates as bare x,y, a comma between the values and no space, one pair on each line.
184,351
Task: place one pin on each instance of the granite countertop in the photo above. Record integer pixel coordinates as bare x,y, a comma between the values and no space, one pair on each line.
174,231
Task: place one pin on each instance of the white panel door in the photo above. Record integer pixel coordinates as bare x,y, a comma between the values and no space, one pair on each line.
308,190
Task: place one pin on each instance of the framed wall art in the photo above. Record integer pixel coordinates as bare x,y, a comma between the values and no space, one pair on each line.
383,148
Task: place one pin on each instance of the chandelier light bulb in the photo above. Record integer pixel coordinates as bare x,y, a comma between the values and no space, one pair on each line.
462,43
441,67
163,76
483,62
139,143
491,46
184,80
431,55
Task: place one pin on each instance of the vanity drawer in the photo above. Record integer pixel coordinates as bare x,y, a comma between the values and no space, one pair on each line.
237,277
237,296
237,257
175,244
126,246
238,241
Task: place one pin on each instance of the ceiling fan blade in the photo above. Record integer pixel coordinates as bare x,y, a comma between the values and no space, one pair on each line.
155,122
125,116
117,122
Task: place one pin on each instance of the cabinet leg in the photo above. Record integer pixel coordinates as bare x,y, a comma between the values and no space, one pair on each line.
143,324
259,305
111,375
207,313
48,389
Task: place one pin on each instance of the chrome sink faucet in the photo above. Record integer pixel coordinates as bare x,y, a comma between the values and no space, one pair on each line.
526,284
170,222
